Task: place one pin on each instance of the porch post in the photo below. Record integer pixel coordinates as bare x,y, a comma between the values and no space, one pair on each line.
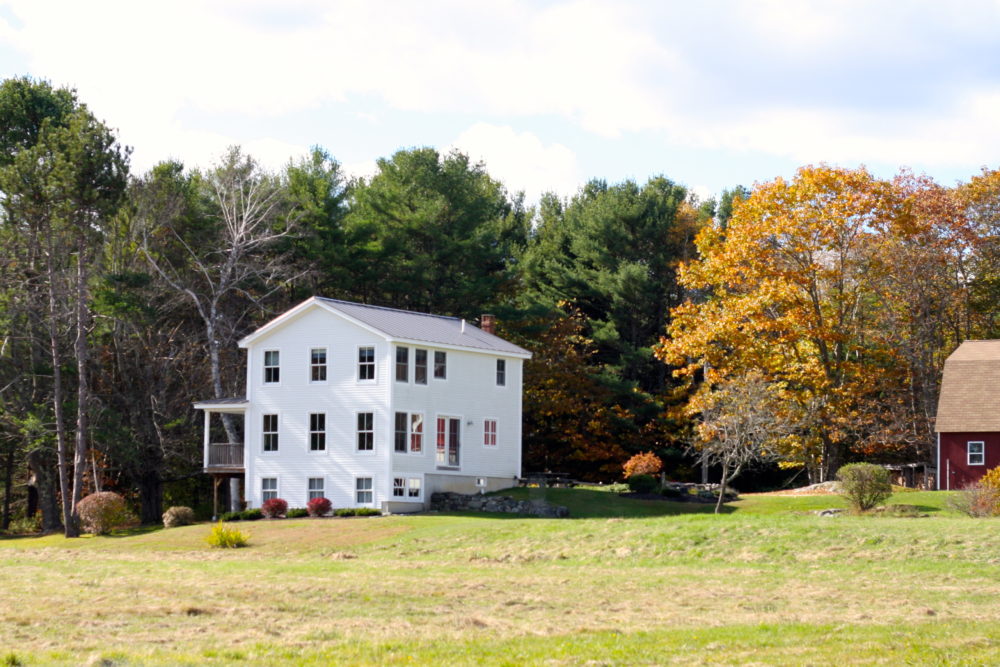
216,479
208,423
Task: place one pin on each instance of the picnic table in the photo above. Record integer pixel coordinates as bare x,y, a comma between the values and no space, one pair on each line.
544,479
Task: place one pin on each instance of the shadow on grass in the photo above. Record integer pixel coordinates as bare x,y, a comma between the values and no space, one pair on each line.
594,504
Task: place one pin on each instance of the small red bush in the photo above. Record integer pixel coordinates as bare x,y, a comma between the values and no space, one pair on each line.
319,507
646,463
274,508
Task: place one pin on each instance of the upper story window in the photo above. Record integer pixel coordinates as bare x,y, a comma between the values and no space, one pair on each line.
420,367
402,364
440,365
366,363
400,436
272,369
501,372
317,364
977,453
366,431
270,433
317,432
490,432
416,433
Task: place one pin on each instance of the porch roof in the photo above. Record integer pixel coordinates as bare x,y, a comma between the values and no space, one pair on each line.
236,404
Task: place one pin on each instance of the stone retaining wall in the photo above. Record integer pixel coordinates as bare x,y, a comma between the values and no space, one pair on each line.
452,502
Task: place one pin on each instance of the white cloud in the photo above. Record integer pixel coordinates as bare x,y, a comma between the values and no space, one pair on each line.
521,160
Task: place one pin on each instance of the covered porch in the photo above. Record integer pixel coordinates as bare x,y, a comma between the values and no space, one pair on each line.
224,460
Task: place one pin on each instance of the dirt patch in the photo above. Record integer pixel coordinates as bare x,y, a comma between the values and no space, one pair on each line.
821,489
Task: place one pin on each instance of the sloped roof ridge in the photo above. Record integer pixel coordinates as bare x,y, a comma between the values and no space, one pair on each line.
388,308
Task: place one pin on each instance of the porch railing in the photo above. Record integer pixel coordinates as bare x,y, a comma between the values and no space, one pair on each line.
225,455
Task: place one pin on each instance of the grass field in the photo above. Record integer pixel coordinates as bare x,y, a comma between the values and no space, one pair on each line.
625,582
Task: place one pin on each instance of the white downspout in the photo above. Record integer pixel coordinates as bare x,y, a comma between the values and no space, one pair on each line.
208,418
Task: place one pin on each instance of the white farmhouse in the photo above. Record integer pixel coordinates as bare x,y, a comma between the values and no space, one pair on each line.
371,407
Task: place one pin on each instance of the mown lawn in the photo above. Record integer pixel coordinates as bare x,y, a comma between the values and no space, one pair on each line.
627,582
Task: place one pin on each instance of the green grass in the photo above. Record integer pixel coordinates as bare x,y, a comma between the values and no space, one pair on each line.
627,582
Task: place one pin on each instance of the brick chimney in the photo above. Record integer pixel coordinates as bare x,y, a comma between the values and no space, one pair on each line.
487,323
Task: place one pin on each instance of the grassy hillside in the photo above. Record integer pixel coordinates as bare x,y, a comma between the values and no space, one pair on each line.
631,583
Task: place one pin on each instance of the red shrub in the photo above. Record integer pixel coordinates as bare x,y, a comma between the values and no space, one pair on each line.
646,463
274,508
319,507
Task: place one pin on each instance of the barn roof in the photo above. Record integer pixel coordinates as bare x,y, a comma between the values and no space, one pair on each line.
970,389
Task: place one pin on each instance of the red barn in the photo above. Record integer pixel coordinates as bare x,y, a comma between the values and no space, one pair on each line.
968,416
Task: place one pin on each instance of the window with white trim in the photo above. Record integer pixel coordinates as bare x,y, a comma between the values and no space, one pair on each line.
366,431
268,488
490,432
364,494
402,364
406,487
977,453
272,366
366,363
317,488
420,366
317,432
317,364
440,365
399,440
269,431
501,372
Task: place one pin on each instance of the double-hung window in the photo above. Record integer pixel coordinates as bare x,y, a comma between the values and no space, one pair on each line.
409,433
269,431
363,490
366,431
402,364
317,432
272,367
420,366
316,488
317,364
440,365
977,453
490,432
501,372
398,487
366,363
268,488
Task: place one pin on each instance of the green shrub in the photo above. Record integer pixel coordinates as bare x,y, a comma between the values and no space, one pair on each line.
642,483
102,512
864,485
251,515
24,526
297,513
231,516
976,500
224,537
357,511
178,516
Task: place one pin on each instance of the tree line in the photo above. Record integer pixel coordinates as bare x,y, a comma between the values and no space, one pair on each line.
122,296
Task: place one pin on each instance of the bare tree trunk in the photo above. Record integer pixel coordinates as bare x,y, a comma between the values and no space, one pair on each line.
216,367
57,402
83,383
8,479
722,486
41,469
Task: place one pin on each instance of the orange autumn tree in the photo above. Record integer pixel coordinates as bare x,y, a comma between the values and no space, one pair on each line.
791,290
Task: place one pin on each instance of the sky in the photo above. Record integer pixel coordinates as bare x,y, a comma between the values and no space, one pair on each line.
549,94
